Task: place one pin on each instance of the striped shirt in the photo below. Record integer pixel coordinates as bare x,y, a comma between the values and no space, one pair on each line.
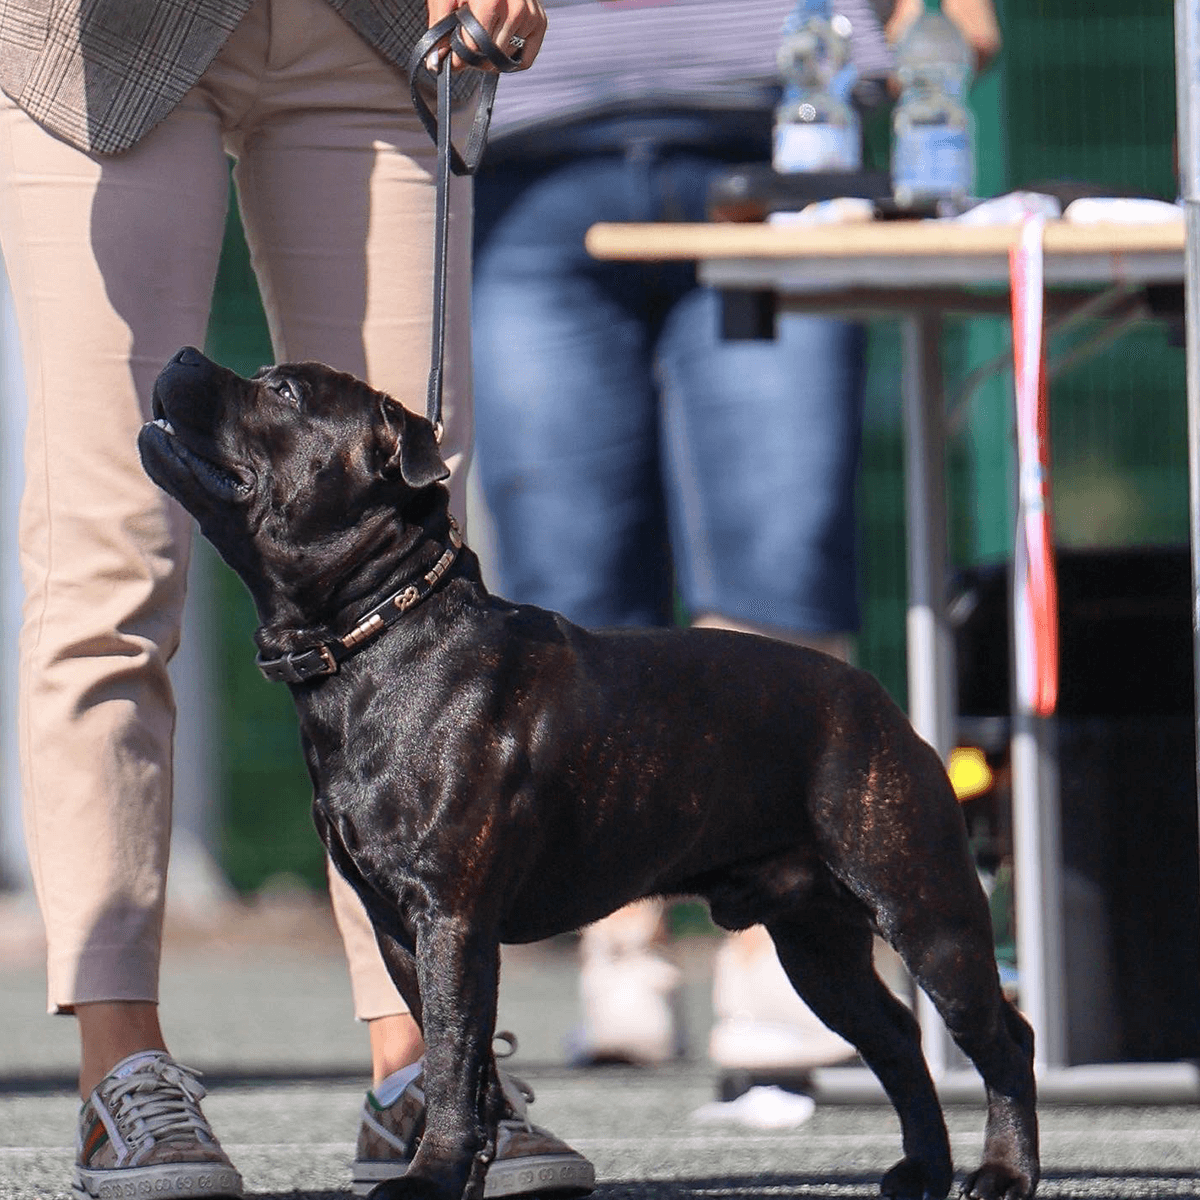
694,53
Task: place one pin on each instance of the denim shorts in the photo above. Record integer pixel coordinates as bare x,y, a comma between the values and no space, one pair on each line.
633,461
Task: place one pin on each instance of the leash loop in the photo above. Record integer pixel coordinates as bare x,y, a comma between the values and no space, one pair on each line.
449,160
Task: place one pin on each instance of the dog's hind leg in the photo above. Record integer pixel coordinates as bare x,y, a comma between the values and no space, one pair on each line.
956,968
917,878
826,950
900,846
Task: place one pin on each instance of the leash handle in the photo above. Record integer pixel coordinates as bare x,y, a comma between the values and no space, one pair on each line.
449,160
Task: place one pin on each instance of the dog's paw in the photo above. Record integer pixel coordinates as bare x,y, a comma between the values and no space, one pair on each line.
995,1181
911,1180
409,1188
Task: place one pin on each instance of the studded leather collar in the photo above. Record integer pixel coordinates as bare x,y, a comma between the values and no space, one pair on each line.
312,662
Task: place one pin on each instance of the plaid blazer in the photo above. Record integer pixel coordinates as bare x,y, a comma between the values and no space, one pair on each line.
102,73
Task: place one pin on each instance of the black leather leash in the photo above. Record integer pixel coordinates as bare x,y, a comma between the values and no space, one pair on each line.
324,658
448,158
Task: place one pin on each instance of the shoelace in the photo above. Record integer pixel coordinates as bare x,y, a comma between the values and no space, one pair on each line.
156,1104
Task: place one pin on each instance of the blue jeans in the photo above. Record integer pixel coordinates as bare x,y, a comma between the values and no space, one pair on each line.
626,452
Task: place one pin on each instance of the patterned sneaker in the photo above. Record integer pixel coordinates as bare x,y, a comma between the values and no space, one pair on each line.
528,1159
141,1132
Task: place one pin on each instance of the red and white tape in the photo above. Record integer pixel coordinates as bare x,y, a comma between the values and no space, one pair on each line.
1036,590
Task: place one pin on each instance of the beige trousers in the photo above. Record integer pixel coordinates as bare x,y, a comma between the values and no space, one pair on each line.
112,263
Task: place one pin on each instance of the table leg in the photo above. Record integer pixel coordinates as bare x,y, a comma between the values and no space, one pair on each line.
1187,75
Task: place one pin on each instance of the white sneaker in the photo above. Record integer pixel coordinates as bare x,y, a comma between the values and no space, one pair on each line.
760,1107
761,1024
629,992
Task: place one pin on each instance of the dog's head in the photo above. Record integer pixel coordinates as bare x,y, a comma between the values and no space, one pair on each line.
298,476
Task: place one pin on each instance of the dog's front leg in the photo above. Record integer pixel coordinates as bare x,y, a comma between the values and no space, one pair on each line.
458,970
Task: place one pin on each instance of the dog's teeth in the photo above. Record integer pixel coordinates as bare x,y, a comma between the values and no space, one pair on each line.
164,425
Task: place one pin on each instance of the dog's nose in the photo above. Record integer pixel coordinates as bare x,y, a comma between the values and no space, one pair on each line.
189,355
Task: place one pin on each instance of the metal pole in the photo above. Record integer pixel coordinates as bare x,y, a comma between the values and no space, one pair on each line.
930,643
1187,78
931,703
1037,859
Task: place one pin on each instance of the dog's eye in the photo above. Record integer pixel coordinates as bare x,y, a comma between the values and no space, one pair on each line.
290,391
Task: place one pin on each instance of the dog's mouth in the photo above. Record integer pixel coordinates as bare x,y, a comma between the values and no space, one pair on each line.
217,479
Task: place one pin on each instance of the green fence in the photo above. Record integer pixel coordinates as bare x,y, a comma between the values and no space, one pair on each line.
1083,94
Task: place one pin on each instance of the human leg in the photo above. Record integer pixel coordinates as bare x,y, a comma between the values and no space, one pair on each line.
110,1030
565,404
106,284
103,551
763,448
629,988
394,1036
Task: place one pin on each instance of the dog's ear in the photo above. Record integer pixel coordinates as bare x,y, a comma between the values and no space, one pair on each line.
412,450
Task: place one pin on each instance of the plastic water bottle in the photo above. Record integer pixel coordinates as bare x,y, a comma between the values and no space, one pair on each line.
815,127
933,159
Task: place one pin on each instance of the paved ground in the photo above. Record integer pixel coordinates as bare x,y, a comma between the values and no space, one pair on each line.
261,1004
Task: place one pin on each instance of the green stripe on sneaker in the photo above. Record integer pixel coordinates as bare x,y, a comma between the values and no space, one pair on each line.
96,1138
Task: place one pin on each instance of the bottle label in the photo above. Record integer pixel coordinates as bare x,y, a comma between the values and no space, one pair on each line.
931,161
816,147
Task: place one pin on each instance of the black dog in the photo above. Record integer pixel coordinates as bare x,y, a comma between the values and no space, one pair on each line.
486,772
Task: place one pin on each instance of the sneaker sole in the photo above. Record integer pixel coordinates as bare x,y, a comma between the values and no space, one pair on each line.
171,1179
548,1174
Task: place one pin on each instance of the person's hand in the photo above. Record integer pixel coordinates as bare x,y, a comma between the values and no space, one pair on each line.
976,20
516,26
